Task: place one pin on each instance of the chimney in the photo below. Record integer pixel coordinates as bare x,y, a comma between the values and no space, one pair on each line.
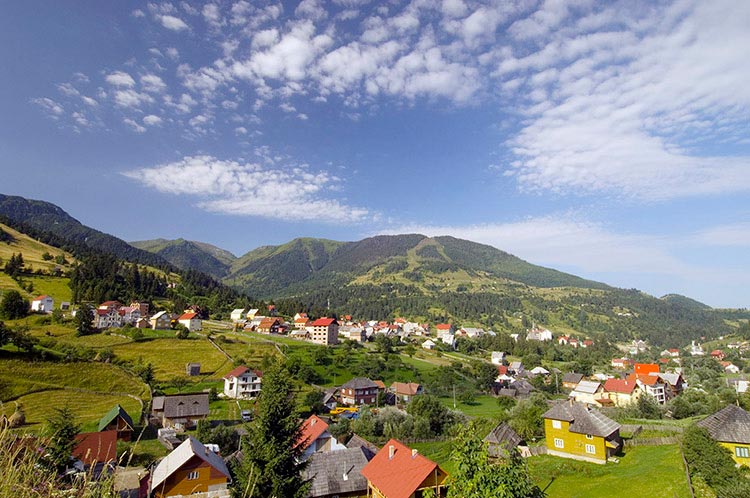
414,453
391,452
312,421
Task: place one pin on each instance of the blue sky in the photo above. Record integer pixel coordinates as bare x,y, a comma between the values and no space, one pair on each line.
608,139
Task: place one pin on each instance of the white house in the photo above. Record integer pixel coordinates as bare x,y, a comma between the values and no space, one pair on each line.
42,304
537,334
107,318
497,357
237,314
251,314
130,314
191,321
428,344
242,382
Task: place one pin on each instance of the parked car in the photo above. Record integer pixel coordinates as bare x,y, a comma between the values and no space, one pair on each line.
246,415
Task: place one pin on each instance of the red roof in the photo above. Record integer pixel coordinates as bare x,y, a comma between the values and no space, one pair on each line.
41,297
649,380
646,368
95,447
623,386
443,326
188,316
717,352
324,322
311,429
502,369
396,472
236,372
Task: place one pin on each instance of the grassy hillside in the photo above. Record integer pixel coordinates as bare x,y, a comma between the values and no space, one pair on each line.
186,254
17,242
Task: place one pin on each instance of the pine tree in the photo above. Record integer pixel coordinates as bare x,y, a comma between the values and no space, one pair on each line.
271,467
84,320
62,430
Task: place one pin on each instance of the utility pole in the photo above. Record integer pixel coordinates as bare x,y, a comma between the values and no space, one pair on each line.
454,396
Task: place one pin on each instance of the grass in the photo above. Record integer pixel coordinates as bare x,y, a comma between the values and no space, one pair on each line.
439,452
55,287
642,471
169,356
31,250
482,406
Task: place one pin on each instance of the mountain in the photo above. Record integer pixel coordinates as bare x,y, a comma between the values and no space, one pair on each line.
188,254
47,217
448,279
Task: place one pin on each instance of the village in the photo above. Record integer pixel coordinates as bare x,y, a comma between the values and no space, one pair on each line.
574,413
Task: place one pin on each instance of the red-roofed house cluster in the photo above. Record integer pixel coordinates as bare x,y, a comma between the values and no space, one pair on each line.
113,314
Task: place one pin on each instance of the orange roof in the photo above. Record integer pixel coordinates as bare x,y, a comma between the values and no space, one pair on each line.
188,316
301,320
443,326
624,386
41,297
649,380
268,322
94,447
311,429
397,472
405,389
324,322
380,384
646,368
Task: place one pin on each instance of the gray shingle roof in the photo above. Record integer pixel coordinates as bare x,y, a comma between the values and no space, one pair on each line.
572,377
360,383
502,439
729,425
582,420
184,405
327,471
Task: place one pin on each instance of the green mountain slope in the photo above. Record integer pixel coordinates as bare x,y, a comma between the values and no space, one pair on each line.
187,254
50,218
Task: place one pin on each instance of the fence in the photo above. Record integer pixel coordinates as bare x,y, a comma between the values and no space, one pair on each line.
653,441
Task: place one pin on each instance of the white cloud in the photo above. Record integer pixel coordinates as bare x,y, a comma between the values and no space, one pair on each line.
240,130
173,23
131,98
68,89
50,106
120,78
134,125
152,120
152,83
138,13
212,15
619,112
311,9
89,101
173,53
249,189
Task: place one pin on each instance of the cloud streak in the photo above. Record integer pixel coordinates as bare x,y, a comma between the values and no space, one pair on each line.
251,189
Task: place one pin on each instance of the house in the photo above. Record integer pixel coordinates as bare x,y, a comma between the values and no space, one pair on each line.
539,334
130,314
405,391
269,325
429,344
118,420
143,323
142,307
730,427
338,474
449,339
587,391
718,354
671,353
400,472
730,368
191,321
502,440
516,367
563,340
193,369
65,306
621,392
571,379
315,437
96,451
573,430
180,411
443,329
696,349
110,305
638,346
325,331
301,316
621,363
471,332
106,318
539,371
190,468
250,315
497,357
651,385
161,321
674,384
353,333
740,385
242,383
300,323
43,304
359,391
237,315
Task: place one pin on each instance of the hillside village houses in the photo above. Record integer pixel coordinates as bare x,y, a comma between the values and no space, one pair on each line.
243,383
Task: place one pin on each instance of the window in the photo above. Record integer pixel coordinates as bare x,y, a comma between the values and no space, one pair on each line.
742,452
556,424
589,436
192,475
559,443
591,449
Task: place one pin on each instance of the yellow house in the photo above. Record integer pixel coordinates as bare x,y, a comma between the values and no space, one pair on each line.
190,468
730,427
574,431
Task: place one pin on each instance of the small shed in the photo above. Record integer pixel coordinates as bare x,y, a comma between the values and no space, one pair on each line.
502,440
192,369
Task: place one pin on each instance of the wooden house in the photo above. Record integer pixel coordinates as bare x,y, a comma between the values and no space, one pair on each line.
117,419
189,469
398,471
572,430
730,427
180,411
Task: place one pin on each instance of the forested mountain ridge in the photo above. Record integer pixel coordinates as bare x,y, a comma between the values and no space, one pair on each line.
188,254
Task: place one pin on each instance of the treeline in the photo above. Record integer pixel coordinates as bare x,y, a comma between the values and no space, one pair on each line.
102,277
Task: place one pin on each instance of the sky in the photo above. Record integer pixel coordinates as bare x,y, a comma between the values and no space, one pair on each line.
606,139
